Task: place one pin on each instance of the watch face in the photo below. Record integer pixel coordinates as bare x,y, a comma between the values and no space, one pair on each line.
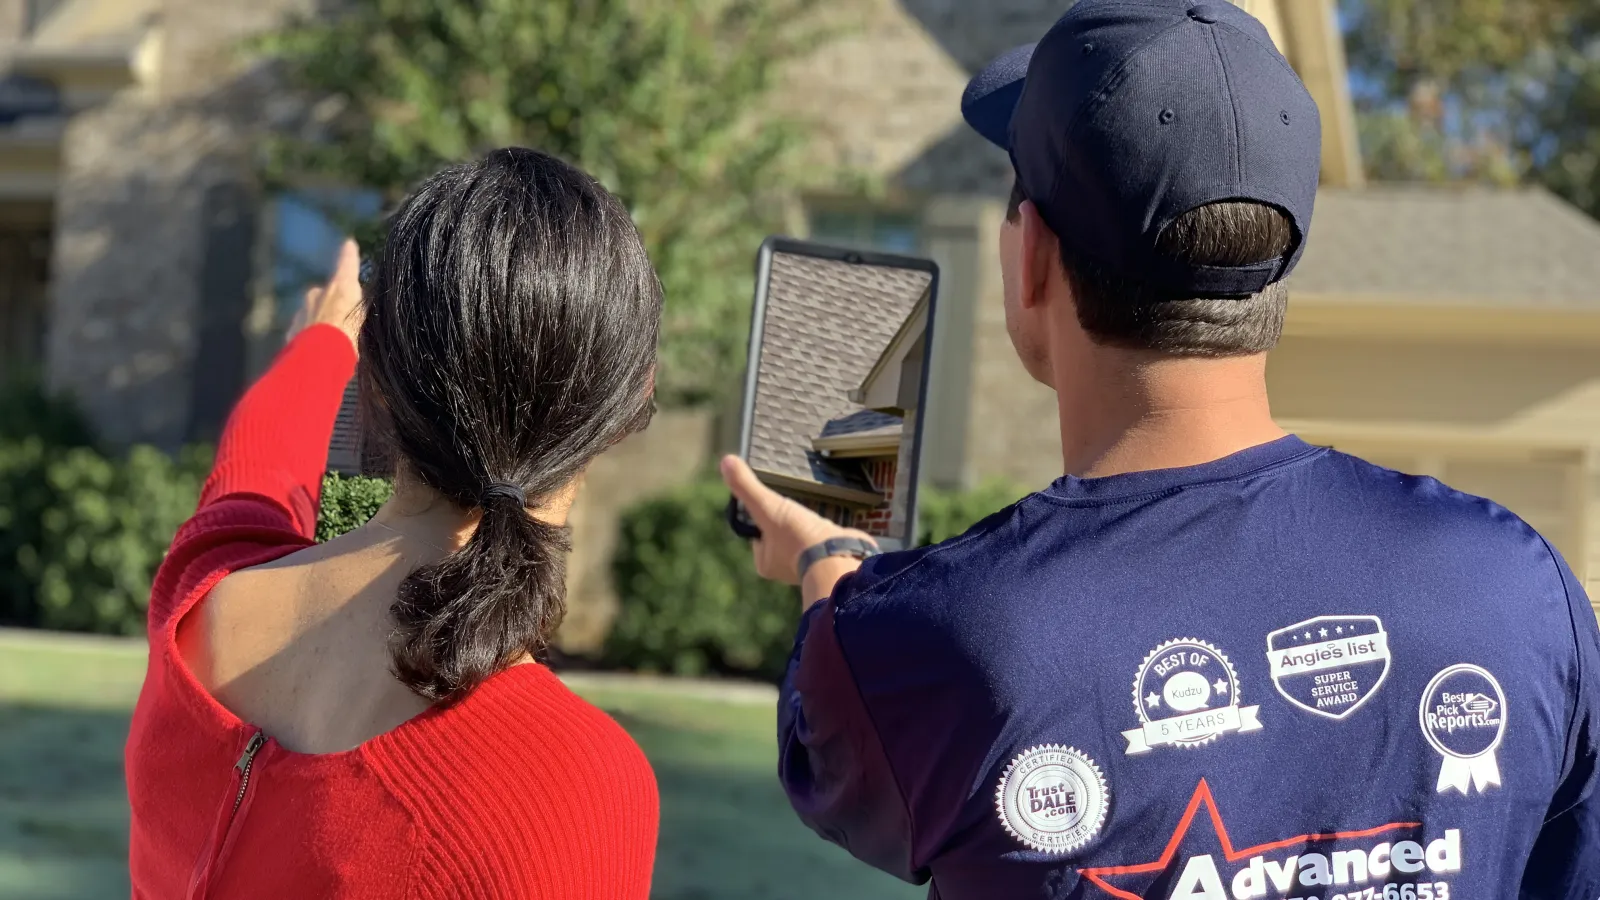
851,547
844,546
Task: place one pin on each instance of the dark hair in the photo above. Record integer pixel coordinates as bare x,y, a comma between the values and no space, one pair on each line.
1123,310
510,337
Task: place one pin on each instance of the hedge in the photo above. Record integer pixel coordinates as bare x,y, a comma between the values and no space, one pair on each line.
691,602
348,502
690,599
944,514
81,531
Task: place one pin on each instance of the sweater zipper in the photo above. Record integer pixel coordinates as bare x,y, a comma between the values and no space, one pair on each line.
246,761
205,866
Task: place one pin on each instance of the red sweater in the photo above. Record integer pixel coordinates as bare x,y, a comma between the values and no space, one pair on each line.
521,789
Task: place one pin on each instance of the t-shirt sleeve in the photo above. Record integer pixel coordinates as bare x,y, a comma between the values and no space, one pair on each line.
831,758
1565,863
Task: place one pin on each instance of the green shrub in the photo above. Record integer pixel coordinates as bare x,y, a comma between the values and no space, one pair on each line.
83,533
691,601
25,494
348,502
943,514
28,410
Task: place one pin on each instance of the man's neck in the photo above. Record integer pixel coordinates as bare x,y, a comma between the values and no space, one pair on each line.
1128,412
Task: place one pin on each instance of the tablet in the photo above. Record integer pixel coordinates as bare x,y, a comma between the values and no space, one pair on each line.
836,377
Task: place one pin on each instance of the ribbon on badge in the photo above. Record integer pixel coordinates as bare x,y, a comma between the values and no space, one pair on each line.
1194,726
1478,771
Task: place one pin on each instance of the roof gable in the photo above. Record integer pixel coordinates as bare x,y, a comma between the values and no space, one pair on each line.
1452,245
826,324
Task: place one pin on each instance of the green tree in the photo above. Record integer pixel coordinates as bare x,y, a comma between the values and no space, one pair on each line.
1499,91
663,101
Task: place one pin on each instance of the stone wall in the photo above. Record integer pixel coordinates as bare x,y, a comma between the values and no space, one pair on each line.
152,268
1013,428
676,447
886,96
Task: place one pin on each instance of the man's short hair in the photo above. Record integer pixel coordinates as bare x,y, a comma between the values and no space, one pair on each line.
1123,310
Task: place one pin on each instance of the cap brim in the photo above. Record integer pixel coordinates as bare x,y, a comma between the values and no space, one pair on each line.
991,96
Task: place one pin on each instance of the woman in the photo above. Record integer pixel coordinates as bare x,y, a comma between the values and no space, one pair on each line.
365,718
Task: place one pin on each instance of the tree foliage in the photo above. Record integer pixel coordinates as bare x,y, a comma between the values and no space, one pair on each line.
664,102
1502,91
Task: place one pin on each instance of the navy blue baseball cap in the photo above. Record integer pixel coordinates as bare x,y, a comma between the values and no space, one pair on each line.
1130,113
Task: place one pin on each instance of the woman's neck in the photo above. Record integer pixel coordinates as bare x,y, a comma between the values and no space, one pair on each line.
421,513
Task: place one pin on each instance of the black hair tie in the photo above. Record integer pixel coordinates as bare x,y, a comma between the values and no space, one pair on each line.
503,489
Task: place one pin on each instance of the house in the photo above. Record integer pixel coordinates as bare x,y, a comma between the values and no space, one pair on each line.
837,386
1455,333
1442,331
1438,330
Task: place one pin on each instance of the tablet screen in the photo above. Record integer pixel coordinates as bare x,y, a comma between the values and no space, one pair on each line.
836,376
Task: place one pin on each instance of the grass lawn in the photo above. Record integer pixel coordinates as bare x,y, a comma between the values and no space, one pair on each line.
726,829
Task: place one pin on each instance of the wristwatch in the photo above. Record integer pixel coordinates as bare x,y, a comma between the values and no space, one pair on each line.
839,546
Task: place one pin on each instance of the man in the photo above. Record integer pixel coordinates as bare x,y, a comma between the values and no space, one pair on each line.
1211,661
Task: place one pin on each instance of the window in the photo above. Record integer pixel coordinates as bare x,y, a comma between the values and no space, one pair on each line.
889,232
24,286
308,227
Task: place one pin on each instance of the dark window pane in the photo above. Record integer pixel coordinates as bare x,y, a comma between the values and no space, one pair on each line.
308,229
867,230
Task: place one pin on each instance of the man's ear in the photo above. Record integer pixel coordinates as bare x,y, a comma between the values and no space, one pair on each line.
1039,249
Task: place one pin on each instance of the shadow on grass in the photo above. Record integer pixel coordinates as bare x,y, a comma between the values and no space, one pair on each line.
727,830
63,805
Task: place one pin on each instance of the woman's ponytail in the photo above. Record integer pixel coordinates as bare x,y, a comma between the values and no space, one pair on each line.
478,610
510,338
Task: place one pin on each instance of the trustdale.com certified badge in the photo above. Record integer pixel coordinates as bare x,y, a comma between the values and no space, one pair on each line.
1052,798
1329,665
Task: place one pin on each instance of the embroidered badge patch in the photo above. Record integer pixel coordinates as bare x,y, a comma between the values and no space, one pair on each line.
1053,799
1463,716
1186,694
1329,665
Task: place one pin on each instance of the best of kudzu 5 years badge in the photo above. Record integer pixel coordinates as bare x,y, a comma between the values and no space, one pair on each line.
1186,694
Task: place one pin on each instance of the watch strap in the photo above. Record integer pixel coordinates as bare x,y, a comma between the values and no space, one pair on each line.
839,546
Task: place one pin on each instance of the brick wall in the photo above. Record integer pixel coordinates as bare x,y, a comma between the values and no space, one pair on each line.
880,473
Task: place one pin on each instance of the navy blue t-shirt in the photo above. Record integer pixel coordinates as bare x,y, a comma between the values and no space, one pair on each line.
1287,673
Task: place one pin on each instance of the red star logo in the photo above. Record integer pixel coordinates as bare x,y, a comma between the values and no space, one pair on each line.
1202,797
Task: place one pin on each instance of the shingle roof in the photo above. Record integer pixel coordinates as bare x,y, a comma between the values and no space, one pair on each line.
861,423
826,324
1480,246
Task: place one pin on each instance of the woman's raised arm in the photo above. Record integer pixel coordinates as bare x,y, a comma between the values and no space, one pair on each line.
275,446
